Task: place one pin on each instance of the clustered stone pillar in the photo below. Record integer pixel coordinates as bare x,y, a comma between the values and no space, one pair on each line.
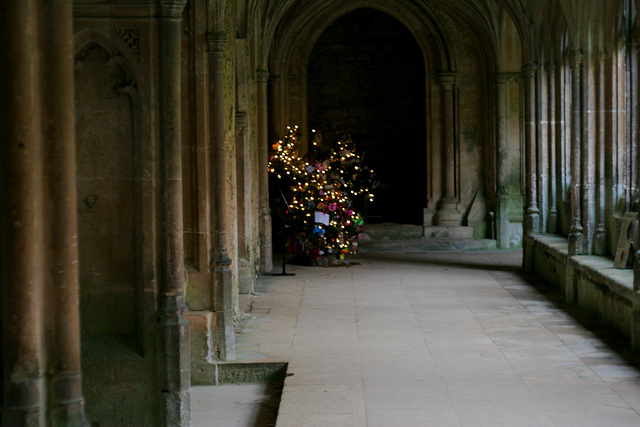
601,231
23,394
276,96
588,141
576,232
223,284
40,339
560,145
542,146
173,327
61,215
447,213
246,274
635,325
266,245
502,224
552,221
635,338
532,214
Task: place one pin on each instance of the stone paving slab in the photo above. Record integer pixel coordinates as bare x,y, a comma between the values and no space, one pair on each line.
440,339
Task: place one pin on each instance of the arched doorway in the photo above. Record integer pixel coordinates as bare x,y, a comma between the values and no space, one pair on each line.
366,76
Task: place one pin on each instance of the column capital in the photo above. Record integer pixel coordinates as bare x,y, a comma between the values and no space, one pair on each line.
529,70
262,75
575,58
242,121
602,56
448,78
215,42
507,77
171,8
241,118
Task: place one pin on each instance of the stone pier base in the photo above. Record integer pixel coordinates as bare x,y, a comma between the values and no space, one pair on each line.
444,232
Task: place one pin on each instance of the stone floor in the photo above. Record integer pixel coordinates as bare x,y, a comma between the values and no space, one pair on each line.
431,339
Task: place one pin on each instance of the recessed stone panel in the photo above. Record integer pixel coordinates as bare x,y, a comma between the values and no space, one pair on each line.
107,192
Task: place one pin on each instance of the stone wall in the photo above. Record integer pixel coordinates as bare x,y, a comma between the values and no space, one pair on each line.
369,74
589,281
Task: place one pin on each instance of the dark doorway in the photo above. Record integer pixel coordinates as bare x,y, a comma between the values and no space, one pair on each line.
366,76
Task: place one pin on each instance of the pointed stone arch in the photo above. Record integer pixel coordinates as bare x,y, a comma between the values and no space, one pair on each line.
299,30
366,77
297,34
440,30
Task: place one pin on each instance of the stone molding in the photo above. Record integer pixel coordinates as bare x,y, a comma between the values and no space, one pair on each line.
215,42
447,80
131,37
529,70
508,77
262,76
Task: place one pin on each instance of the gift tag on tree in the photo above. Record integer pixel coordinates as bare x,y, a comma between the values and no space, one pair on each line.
322,218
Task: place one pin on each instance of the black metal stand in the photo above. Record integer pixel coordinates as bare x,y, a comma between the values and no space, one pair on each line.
284,269
284,245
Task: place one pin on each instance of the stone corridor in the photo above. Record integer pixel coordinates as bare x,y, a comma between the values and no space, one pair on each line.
140,212
434,339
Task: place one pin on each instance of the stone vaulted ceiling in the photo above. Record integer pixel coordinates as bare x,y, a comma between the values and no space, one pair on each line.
571,24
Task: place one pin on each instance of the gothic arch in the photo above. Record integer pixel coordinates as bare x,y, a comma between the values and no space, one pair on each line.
118,51
295,39
433,26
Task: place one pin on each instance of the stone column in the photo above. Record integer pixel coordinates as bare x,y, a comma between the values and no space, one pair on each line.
223,283
23,388
277,91
40,339
560,144
173,328
576,232
266,245
601,231
542,147
502,144
552,221
532,214
633,122
588,142
66,400
246,274
635,333
447,214
245,175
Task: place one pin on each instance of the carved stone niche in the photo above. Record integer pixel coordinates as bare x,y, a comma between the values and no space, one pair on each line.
109,192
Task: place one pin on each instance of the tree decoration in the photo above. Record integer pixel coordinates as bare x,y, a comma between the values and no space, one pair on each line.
315,194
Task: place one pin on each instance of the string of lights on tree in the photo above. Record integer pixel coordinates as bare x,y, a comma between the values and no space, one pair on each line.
319,191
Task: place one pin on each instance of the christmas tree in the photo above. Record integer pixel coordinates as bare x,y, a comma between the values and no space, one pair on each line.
315,194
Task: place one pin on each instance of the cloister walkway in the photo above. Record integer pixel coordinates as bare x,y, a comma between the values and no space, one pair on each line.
434,339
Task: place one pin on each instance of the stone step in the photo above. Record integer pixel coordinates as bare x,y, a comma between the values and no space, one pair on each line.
442,232
431,244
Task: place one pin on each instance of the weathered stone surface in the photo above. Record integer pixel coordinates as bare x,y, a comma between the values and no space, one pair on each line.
439,232
590,281
174,114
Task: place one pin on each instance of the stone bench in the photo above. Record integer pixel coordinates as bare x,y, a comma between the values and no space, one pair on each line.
587,280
